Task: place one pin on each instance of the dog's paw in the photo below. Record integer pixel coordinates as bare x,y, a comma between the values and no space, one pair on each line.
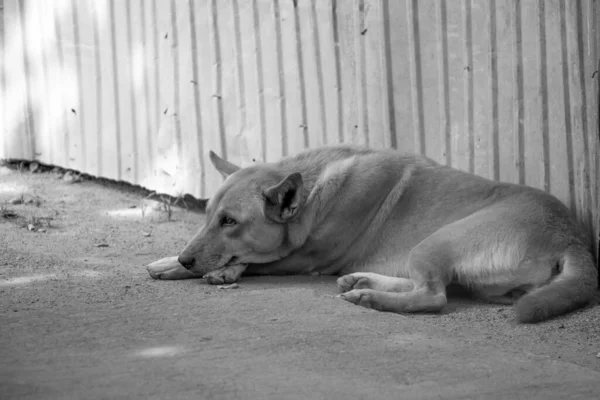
229,274
352,281
169,269
361,297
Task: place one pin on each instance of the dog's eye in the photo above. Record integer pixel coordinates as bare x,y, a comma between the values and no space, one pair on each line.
227,221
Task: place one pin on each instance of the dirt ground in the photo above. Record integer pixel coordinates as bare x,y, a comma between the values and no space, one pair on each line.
81,318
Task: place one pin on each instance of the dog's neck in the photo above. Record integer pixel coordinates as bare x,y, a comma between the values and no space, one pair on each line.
320,198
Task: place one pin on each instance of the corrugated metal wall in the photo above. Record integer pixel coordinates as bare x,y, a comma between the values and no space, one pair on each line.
140,90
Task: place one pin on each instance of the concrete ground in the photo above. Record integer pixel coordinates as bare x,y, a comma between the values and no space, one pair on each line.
81,319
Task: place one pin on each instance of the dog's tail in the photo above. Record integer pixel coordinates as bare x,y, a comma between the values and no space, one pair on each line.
573,287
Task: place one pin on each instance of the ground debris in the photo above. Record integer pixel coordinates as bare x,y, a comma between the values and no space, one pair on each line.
16,201
232,286
70,177
5,213
102,245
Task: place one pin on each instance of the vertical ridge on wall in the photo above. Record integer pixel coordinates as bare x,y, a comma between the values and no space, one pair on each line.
587,205
259,80
187,119
197,102
3,94
389,100
374,73
133,101
46,9
87,113
319,70
272,88
238,54
293,79
593,71
72,100
176,81
494,150
155,36
503,93
468,86
567,101
333,13
543,85
385,112
99,82
280,79
139,87
81,116
443,81
329,62
345,16
115,82
415,72
30,130
518,125
301,77
359,50
217,77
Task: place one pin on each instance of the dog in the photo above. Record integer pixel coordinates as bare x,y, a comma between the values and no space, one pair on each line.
398,229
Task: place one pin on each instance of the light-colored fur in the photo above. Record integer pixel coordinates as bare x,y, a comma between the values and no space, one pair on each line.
398,228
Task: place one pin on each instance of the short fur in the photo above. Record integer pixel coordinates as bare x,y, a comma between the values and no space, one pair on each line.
398,228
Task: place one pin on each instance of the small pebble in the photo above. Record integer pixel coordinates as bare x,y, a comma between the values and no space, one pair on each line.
598,355
33,166
30,227
71,178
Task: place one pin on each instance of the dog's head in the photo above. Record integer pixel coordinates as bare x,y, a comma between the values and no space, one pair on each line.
246,218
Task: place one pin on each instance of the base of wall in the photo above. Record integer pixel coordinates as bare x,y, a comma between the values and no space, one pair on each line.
186,201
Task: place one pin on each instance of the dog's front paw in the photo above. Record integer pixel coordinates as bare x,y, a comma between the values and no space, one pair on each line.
229,274
352,281
361,297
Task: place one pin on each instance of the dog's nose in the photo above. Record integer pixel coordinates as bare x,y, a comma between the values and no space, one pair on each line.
186,261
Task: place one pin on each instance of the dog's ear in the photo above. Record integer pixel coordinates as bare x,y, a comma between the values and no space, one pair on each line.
224,167
283,200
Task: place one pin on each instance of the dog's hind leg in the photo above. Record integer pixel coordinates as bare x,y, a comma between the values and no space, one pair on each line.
430,270
428,292
426,296
370,280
